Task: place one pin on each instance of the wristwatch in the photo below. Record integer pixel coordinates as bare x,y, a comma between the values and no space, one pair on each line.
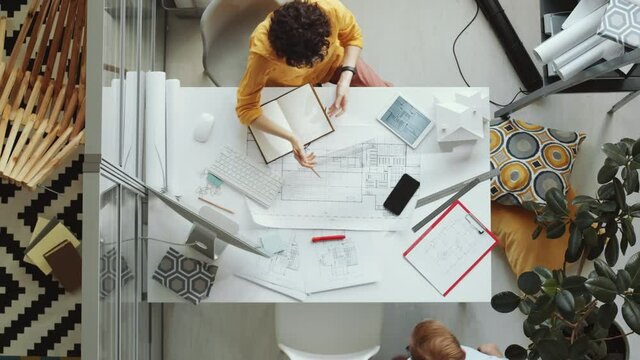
348,68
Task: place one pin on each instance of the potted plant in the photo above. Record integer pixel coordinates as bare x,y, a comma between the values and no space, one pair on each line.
571,316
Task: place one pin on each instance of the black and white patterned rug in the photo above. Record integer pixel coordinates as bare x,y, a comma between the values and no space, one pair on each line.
37,316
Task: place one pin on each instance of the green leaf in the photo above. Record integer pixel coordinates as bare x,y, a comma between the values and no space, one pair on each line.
525,306
608,206
635,150
612,251
604,270
602,289
620,195
529,282
565,301
537,232
505,302
607,173
606,192
590,237
583,199
528,329
556,230
550,287
552,349
533,355
634,210
575,284
575,246
631,315
584,218
579,348
633,268
628,232
631,183
623,281
596,251
543,272
515,352
556,201
614,153
606,314
628,142
541,310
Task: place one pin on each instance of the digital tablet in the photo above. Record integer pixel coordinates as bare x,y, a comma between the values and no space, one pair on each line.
405,120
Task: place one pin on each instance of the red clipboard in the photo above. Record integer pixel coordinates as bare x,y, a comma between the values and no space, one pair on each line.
435,224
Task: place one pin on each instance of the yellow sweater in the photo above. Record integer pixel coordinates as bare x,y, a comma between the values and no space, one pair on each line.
266,69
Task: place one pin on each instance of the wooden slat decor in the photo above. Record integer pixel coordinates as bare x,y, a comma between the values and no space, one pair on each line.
42,87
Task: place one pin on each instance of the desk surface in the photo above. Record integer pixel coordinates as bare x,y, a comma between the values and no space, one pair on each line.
442,165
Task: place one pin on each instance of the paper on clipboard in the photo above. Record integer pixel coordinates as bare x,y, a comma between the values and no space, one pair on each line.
450,248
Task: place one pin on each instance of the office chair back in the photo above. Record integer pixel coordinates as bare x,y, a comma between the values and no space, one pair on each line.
329,330
225,28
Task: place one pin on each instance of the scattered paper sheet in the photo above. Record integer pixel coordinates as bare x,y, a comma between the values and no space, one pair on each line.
354,182
305,267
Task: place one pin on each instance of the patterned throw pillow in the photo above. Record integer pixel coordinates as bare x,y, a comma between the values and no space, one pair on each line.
190,278
532,159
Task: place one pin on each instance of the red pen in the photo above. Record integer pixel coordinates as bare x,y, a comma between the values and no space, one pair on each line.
327,238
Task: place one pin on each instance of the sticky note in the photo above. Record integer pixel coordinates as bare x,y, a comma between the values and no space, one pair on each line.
213,180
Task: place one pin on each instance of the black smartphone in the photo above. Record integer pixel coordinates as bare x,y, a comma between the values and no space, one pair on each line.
401,194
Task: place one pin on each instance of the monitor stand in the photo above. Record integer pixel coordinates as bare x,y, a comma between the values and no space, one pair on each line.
203,241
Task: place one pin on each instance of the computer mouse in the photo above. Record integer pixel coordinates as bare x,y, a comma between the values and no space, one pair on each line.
203,129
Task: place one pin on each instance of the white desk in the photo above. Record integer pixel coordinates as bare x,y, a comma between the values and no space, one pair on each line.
443,165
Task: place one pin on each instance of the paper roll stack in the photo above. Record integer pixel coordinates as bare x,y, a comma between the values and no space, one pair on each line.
578,46
155,130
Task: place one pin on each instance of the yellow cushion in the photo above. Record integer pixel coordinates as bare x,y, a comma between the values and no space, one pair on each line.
514,225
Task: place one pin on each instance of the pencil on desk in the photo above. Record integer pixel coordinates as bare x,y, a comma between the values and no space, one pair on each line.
216,205
315,172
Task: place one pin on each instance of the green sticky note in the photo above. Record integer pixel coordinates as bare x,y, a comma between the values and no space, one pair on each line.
213,180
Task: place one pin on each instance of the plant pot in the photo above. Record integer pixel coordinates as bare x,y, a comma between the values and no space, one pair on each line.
617,349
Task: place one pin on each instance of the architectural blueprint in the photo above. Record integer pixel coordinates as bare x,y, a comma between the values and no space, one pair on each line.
306,267
355,181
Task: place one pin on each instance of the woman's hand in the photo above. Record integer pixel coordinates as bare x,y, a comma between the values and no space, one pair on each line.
305,160
342,91
490,349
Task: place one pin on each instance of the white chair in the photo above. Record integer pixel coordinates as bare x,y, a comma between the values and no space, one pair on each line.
329,331
225,27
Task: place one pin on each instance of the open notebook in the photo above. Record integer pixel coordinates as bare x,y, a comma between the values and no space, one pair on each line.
299,111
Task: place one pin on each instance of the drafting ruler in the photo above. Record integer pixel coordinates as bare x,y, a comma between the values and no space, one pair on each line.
455,188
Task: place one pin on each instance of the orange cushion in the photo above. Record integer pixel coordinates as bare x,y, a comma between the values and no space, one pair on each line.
514,225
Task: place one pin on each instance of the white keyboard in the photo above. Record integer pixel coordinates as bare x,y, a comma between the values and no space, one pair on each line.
246,176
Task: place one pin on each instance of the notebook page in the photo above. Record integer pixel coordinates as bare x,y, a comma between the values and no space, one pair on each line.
272,146
305,114
450,249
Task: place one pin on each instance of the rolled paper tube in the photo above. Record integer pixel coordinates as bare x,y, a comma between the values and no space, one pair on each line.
578,50
587,59
569,38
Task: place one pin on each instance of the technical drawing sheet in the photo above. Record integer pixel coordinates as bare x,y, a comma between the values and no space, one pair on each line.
355,180
450,248
306,267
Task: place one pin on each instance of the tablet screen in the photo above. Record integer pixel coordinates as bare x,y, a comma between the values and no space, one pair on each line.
405,120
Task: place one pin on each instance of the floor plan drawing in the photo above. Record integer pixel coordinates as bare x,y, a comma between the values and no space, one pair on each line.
336,259
354,182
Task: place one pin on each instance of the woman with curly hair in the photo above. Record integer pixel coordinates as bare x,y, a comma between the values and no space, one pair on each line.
431,340
312,41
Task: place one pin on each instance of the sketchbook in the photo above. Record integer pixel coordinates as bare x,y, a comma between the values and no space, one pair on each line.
450,248
299,111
